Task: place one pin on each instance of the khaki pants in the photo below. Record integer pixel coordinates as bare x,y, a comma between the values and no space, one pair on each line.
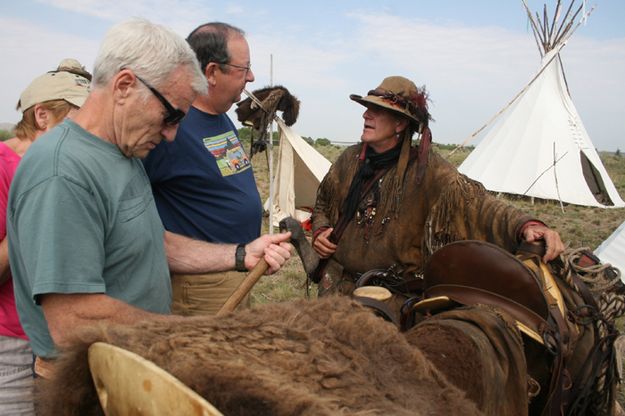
204,294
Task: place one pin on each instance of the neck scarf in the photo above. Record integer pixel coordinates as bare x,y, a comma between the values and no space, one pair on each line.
372,162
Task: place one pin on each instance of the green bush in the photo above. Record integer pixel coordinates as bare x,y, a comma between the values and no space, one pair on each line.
245,133
5,134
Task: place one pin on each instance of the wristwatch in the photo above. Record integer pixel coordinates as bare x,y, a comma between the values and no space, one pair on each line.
239,259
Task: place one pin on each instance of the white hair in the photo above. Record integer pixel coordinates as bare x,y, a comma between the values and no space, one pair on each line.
150,50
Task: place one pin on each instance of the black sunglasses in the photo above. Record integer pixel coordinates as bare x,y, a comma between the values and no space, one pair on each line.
174,115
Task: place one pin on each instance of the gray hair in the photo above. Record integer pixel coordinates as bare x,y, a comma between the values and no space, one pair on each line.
151,50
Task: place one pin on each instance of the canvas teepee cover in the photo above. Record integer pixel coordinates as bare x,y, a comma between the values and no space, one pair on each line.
612,250
299,171
539,146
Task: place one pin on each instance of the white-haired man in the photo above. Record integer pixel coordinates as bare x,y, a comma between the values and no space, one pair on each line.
86,241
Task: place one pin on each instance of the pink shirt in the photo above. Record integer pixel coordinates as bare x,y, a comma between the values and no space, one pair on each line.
9,322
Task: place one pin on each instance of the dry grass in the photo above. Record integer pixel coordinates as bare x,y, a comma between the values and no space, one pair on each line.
578,226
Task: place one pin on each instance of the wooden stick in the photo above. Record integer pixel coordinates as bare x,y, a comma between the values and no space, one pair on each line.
564,20
541,31
568,26
555,176
545,23
539,44
535,29
543,172
553,23
244,288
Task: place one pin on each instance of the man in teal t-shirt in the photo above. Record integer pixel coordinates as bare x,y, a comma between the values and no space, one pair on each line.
99,203
85,239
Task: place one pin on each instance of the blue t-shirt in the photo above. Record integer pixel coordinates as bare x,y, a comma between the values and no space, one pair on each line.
203,182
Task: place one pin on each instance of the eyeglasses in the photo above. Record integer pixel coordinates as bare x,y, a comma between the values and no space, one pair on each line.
246,68
174,115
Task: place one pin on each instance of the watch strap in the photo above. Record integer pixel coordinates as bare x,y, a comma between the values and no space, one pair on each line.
239,258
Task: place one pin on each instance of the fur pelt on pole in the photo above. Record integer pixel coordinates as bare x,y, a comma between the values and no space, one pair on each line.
272,100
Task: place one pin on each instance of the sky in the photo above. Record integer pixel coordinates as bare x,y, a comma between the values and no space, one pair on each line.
472,56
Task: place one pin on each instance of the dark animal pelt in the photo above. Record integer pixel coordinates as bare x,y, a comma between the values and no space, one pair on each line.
272,99
324,357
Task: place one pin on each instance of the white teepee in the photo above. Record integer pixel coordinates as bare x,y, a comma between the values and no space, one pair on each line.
612,250
300,169
539,146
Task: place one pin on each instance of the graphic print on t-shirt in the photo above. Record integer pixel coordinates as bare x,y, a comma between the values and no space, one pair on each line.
229,154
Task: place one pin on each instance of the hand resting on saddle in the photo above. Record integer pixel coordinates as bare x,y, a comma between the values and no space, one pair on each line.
535,231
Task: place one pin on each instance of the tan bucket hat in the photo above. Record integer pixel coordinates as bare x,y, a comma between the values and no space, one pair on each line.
69,82
400,95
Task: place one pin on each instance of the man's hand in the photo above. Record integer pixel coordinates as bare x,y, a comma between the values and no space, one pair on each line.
275,249
553,244
322,244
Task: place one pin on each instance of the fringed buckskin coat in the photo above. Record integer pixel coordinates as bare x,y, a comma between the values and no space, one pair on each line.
403,224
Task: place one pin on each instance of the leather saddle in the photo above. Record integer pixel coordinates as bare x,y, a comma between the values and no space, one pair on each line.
476,272
544,308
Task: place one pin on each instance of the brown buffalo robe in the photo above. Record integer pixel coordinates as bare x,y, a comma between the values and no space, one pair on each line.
400,222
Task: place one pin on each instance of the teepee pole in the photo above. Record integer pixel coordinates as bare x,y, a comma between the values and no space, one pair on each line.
564,19
540,43
543,172
555,176
270,155
553,22
534,30
566,83
567,28
544,24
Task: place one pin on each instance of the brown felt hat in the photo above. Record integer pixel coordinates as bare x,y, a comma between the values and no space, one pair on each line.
400,95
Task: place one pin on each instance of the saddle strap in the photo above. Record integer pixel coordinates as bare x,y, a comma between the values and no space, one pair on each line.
380,308
560,383
388,279
602,353
575,394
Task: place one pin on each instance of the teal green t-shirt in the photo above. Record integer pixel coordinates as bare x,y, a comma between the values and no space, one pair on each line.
82,219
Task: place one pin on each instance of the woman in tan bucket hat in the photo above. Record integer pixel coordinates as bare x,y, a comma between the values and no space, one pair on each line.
389,203
44,103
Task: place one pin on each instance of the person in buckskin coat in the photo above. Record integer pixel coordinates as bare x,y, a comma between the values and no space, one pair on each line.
385,203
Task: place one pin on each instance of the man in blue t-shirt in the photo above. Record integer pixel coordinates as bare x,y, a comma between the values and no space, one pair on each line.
203,182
